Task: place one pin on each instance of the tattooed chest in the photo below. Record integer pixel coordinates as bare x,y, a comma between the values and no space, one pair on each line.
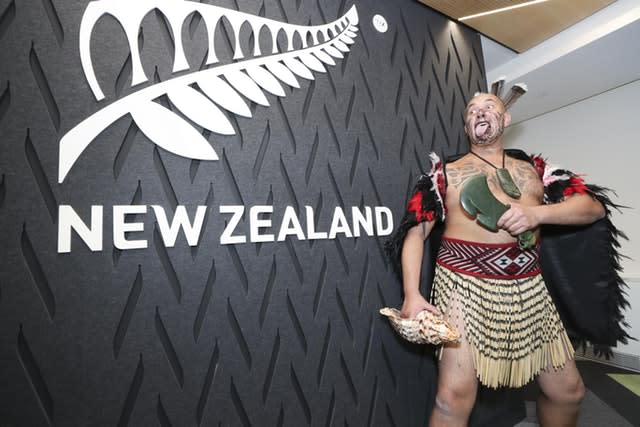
524,177
458,176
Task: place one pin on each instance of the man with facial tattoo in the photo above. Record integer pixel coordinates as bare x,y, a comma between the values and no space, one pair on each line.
488,285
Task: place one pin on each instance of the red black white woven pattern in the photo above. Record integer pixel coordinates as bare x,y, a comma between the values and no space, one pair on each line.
489,260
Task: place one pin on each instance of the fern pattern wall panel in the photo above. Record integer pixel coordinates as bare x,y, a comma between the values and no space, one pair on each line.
194,197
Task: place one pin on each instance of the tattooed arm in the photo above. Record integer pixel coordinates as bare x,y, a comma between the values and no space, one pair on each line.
578,209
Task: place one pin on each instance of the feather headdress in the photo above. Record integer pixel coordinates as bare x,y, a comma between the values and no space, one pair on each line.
516,91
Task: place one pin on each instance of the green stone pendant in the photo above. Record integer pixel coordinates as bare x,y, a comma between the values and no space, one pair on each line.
526,240
506,182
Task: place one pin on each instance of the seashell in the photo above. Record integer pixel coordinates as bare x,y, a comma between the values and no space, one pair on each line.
425,328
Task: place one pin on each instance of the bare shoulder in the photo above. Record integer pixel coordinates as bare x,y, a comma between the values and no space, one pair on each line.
526,177
519,164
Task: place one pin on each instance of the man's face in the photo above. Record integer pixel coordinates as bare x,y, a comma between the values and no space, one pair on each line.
485,119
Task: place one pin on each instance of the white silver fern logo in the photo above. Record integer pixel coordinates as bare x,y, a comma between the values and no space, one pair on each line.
248,78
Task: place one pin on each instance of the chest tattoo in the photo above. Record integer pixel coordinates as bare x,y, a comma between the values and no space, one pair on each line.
457,176
523,175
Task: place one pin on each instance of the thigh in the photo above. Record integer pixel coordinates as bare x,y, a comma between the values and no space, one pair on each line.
456,371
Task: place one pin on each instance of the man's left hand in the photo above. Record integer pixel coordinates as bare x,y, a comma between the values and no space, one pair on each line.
518,219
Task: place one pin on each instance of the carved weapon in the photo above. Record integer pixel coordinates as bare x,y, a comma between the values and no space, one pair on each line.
479,202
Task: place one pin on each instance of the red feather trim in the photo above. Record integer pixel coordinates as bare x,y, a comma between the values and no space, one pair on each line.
539,164
576,186
415,206
442,188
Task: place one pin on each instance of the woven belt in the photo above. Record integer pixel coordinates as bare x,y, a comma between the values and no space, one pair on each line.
498,261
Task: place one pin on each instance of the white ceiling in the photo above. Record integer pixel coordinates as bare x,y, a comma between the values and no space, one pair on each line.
597,54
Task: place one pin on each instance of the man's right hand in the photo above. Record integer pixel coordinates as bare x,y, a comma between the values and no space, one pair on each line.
414,304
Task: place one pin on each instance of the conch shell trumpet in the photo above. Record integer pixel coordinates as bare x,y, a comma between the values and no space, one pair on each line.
425,328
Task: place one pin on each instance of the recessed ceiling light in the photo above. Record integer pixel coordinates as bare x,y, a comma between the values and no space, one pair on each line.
502,9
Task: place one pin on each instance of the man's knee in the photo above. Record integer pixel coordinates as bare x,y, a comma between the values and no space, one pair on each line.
454,402
576,391
570,392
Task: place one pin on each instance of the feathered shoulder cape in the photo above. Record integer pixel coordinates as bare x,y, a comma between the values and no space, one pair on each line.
580,264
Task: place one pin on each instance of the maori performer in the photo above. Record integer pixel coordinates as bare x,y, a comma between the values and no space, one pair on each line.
502,274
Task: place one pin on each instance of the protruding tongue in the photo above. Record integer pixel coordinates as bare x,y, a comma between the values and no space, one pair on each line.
481,129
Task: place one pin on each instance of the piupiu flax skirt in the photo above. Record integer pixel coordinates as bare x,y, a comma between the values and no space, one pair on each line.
511,325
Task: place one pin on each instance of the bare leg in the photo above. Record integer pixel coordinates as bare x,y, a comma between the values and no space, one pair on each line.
562,391
457,382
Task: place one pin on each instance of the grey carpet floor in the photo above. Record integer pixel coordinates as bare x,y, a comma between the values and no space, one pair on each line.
606,403
593,413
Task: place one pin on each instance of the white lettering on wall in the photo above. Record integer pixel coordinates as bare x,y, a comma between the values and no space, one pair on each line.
311,228
290,225
362,220
257,223
121,227
339,224
383,211
68,219
260,225
180,221
226,238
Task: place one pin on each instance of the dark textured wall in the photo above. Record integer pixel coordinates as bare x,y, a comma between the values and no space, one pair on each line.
279,333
